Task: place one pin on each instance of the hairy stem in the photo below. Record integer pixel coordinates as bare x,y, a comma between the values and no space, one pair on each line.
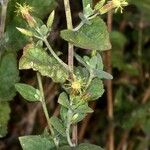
69,26
45,108
70,59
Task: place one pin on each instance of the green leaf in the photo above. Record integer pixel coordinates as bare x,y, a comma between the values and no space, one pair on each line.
25,32
78,118
82,146
99,4
44,30
58,125
99,62
81,60
95,90
87,146
50,19
80,113
35,142
28,92
102,74
86,2
66,147
81,72
84,109
95,65
63,113
63,100
88,11
12,35
4,118
9,75
39,60
92,36
94,61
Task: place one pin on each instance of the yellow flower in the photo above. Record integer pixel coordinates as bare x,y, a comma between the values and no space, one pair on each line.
76,85
119,4
25,10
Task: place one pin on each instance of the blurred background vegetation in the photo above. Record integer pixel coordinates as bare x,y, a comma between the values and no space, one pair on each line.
130,38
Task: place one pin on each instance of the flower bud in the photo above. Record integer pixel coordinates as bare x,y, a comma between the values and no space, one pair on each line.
25,10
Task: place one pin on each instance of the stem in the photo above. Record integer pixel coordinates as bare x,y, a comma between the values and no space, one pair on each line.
3,17
82,23
69,116
54,54
68,136
109,89
45,108
70,59
69,26
79,26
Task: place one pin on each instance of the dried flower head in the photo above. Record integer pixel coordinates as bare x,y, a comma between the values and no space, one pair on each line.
25,11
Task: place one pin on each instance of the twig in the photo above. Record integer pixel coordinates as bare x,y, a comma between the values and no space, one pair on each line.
122,145
146,96
110,145
70,60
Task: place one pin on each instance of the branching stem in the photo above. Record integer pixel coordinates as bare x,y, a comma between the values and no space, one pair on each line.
54,54
70,59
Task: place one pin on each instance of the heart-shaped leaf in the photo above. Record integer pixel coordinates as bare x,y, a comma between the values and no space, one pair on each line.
93,36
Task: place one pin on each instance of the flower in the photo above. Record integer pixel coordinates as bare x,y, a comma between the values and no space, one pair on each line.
25,10
76,85
119,4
